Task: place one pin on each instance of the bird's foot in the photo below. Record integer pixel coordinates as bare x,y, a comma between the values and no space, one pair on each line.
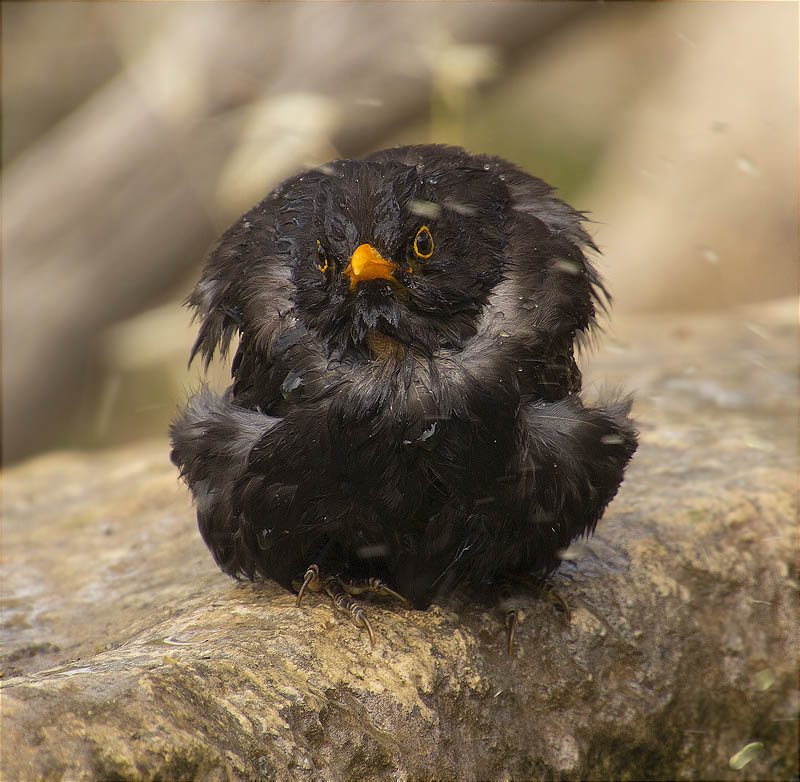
376,587
511,614
553,597
341,599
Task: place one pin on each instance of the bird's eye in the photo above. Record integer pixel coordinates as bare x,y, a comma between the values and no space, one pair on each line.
423,243
322,256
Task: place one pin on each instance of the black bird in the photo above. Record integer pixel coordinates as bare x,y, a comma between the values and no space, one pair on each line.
405,410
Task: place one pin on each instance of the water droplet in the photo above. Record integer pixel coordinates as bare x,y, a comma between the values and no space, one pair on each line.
264,541
428,433
371,552
747,166
173,641
459,208
424,208
291,384
612,439
745,755
765,679
569,554
712,256
567,266
75,671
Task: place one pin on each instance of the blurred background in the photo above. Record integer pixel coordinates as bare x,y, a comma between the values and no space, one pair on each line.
134,133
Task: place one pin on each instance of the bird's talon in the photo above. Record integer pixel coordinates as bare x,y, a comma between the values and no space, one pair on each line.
343,601
385,590
360,620
559,601
310,581
376,586
511,626
510,613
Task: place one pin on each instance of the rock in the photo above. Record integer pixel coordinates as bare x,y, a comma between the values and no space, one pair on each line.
128,655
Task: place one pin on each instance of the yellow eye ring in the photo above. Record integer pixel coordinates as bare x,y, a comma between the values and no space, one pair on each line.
323,257
423,243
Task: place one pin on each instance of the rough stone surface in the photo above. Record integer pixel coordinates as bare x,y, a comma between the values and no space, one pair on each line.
128,655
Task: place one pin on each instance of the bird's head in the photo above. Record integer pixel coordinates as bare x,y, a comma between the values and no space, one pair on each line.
391,249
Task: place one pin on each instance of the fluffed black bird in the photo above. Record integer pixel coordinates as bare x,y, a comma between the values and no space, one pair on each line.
405,402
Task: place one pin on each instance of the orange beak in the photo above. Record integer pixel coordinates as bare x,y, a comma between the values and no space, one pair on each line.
366,263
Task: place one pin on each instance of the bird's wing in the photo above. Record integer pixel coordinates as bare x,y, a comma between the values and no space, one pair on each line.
551,290
574,458
243,283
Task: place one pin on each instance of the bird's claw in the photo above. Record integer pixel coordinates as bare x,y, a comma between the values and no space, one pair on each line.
552,596
511,615
344,602
376,586
360,619
511,626
338,593
311,580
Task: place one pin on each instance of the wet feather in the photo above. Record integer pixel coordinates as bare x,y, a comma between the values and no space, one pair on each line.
421,429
